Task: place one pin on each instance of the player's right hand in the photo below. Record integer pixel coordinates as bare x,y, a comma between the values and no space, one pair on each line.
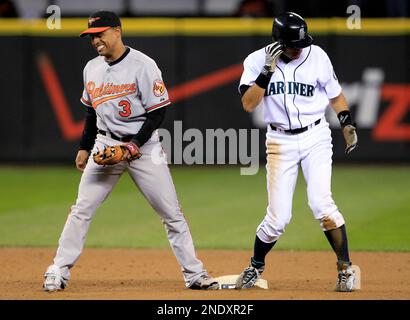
350,135
81,159
273,51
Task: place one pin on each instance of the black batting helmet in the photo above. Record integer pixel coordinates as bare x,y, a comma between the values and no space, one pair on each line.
290,29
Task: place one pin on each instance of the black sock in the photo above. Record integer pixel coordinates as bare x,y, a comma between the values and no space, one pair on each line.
260,250
338,240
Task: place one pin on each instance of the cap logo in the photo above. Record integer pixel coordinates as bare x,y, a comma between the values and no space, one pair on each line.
92,20
301,33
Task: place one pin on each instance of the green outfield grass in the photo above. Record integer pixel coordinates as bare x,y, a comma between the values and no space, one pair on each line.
222,207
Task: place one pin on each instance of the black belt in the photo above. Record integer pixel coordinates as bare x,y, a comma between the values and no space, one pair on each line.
109,134
296,131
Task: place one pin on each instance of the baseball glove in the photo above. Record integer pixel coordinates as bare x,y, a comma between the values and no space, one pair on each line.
115,154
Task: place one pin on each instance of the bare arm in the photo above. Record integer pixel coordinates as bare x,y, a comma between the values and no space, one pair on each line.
252,97
254,94
339,103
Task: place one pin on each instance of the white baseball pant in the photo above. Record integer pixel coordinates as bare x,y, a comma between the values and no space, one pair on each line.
312,150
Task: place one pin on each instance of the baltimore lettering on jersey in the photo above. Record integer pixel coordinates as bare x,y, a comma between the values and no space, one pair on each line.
109,88
302,89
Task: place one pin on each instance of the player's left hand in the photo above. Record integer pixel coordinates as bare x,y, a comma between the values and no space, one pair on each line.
350,135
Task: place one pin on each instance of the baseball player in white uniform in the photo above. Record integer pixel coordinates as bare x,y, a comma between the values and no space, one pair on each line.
294,81
125,98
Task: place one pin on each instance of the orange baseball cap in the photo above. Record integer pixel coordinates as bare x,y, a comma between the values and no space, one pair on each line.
101,21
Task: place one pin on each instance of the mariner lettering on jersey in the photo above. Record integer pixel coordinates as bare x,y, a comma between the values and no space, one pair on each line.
109,88
291,87
307,80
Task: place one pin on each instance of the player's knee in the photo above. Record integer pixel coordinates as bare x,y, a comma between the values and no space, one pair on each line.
321,205
314,205
331,221
82,213
176,224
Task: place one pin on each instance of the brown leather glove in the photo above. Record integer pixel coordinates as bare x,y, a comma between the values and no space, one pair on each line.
115,154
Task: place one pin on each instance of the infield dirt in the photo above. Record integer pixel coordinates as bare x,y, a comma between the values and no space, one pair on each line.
154,275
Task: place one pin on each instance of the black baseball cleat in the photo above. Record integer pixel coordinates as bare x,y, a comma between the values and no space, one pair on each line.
248,277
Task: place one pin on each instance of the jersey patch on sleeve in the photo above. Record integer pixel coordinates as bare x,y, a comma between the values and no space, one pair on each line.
158,88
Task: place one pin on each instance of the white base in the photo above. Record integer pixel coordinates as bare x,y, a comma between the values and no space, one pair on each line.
228,282
358,282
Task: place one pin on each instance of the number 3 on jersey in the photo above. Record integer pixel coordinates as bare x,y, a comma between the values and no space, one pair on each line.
126,108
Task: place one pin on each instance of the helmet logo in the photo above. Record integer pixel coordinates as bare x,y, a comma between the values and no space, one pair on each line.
301,33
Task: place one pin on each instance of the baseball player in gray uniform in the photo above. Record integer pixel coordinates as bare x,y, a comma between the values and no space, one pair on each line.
125,98
294,81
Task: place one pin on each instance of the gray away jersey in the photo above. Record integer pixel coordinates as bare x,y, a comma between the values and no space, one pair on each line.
124,92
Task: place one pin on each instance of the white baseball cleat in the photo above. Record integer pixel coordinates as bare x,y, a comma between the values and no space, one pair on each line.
55,279
346,280
205,283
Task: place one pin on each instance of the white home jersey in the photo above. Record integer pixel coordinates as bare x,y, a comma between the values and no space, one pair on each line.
123,92
299,91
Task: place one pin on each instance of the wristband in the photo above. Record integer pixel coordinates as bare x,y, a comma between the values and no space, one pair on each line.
345,118
264,78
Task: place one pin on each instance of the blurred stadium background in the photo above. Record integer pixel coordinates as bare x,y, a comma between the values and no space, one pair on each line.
199,46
